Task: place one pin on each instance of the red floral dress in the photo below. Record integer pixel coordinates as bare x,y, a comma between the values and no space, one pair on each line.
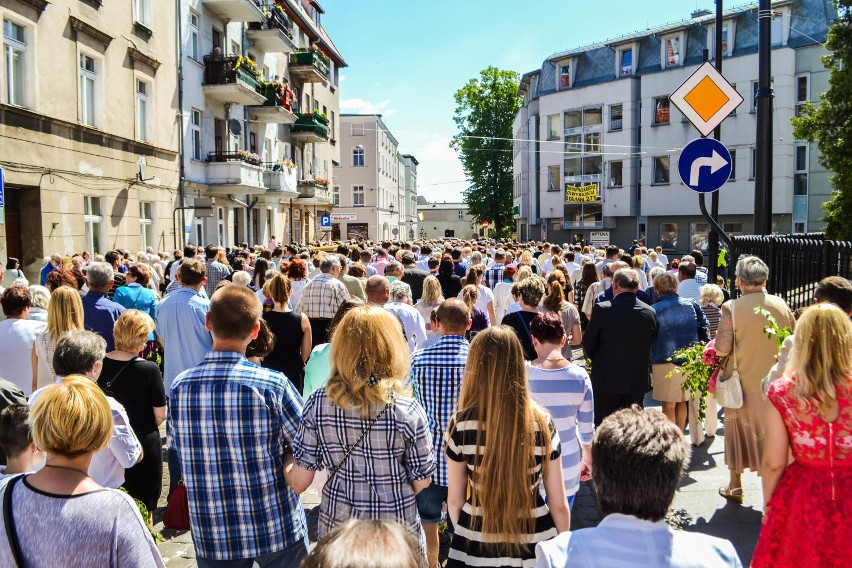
809,522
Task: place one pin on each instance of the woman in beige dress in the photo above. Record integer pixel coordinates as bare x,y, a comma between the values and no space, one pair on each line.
742,339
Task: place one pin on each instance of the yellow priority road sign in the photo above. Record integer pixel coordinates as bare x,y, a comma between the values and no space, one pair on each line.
706,98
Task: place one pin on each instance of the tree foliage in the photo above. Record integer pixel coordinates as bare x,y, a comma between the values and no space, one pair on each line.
829,123
485,109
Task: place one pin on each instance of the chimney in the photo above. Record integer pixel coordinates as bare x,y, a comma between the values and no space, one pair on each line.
700,12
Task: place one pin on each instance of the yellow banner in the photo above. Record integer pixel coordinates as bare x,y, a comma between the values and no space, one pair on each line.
581,193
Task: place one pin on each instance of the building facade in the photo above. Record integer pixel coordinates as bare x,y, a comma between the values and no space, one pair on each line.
375,189
89,142
597,138
445,220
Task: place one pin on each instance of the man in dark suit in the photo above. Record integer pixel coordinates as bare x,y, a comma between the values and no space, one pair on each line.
618,341
412,275
608,294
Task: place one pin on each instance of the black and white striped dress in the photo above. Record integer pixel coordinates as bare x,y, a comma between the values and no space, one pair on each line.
467,546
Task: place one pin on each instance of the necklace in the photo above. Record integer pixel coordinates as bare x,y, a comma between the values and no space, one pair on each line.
68,468
560,358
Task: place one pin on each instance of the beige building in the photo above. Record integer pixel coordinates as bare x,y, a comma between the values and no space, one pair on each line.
438,220
88,136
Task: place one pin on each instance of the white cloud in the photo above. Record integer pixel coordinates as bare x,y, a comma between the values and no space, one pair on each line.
360,106
341,79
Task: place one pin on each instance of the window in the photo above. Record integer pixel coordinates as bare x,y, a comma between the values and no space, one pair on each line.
671,56
800,169
583,215
662,111
753,168
555,183
565,76
798,227
803,92
626,62
194,47
699,234
358,129
93,220
573,143
357,196
573,119
358,156
15,62
195,133
572,167
335,196
592,143
661,170
553,127
732,229
331,122
593,116
616,173
733,165
142,110
776,27
754,93
88,78
146,222
142,12
592,165
616,117
461,215
668,235
727,40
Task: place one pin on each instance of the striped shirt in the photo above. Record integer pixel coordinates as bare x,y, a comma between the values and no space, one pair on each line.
567,395
322,296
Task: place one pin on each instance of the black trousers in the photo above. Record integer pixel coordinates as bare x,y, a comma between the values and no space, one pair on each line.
606,403
319,331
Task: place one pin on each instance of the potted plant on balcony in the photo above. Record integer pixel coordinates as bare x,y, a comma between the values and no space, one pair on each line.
320,117
247,64
249,157
272,90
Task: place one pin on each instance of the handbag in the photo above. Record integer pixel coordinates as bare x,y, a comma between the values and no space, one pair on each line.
9,521
729,390
333,471
176,516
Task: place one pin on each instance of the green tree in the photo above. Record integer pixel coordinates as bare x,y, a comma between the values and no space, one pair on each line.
828,123
485,109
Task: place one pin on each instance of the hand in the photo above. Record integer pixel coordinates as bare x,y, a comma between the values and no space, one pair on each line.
585,471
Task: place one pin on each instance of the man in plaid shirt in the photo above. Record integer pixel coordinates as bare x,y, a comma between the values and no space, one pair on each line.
436,374
494,275
321,298
231,423
216,271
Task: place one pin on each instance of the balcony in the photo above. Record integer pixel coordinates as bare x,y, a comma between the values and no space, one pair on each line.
281,181
309,127
314,192
274,34
311,66
276,109
231,79
235,10
234,173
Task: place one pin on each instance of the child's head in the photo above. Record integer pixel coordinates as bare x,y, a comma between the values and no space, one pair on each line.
16,439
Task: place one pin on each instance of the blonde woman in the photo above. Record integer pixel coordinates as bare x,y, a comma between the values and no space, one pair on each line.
64,315
494,496
429,300
810,413
365,427
556,303
485,299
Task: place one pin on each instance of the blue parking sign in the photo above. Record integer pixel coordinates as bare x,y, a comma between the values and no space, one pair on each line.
325,221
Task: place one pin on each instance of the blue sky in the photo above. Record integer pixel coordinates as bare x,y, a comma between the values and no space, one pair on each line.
407,58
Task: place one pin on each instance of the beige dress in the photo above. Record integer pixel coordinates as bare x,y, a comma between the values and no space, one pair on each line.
745,428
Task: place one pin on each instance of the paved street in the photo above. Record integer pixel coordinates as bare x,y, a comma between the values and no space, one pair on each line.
697,507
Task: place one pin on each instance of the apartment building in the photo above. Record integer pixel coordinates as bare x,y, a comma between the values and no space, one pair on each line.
259,110
89,142
375,189
597,138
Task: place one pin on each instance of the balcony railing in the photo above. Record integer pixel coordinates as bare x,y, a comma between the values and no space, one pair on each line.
235,156
308,125
225,70
310,65
238,172
276,19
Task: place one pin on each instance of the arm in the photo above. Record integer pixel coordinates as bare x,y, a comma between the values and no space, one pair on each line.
775,454
557,502
492,316
576,334
298,478
457,488
123,444
305,349
703,324
159,414
725,332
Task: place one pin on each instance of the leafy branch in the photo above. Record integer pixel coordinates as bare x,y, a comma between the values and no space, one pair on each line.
690,362
773,330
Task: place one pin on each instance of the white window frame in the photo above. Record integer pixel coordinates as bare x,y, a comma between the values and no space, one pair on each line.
11,46
664,63
800,103
654,120
358,192
194,36
620,70
146,225
611,127
335,196
553,133
143,13
359,157
195,117
654,171
143,109
559,67
711,38
797,171
94,224
96,77
753,163
612,178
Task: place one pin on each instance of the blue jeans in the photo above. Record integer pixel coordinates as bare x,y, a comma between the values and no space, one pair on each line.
429,504
290,557
571,501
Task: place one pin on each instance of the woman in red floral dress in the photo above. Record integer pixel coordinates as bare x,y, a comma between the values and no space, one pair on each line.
808,502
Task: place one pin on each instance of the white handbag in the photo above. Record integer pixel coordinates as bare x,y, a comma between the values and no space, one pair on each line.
729,389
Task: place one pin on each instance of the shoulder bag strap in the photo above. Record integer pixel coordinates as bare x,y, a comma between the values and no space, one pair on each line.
348,453
526,325
734,334
9,521
121,370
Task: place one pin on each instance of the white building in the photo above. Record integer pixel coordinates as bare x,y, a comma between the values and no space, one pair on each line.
598,139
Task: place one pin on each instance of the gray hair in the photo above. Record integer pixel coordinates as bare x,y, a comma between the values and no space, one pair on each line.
752,271
329,263
626,278
393,267
40,296
656,271
711,294
77,353
99,275
241,278
400,292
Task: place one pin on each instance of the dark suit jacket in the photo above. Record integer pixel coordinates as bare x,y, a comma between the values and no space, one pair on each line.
619,340
606,296
414,277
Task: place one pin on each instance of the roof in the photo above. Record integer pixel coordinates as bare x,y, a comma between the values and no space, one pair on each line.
412,158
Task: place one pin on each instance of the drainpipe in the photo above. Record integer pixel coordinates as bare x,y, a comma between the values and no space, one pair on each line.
181,165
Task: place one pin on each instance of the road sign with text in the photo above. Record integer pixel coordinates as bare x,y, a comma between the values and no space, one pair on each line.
706,98
704,165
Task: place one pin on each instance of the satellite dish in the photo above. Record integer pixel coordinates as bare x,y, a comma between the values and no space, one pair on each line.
235,127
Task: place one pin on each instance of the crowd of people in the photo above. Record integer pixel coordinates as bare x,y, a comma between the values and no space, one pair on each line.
385,367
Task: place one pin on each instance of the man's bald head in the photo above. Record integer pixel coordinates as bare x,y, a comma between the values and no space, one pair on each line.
377,290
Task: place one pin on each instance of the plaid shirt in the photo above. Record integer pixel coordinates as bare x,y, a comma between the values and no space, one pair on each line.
230,422
437,373
322,296
376,480
216,272
494,275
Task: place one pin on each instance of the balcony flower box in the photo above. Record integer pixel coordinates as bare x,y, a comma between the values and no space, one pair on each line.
310,64
307,127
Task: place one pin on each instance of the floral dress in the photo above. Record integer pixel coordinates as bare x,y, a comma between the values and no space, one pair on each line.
809,521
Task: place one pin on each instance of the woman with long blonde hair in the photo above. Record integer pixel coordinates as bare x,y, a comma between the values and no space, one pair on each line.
485,298
429,300
810,414
504,514
365,427
64,315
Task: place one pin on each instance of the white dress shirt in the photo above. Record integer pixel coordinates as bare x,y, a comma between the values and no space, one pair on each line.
412,321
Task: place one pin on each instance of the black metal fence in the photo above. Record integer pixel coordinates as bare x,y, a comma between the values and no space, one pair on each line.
798,262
